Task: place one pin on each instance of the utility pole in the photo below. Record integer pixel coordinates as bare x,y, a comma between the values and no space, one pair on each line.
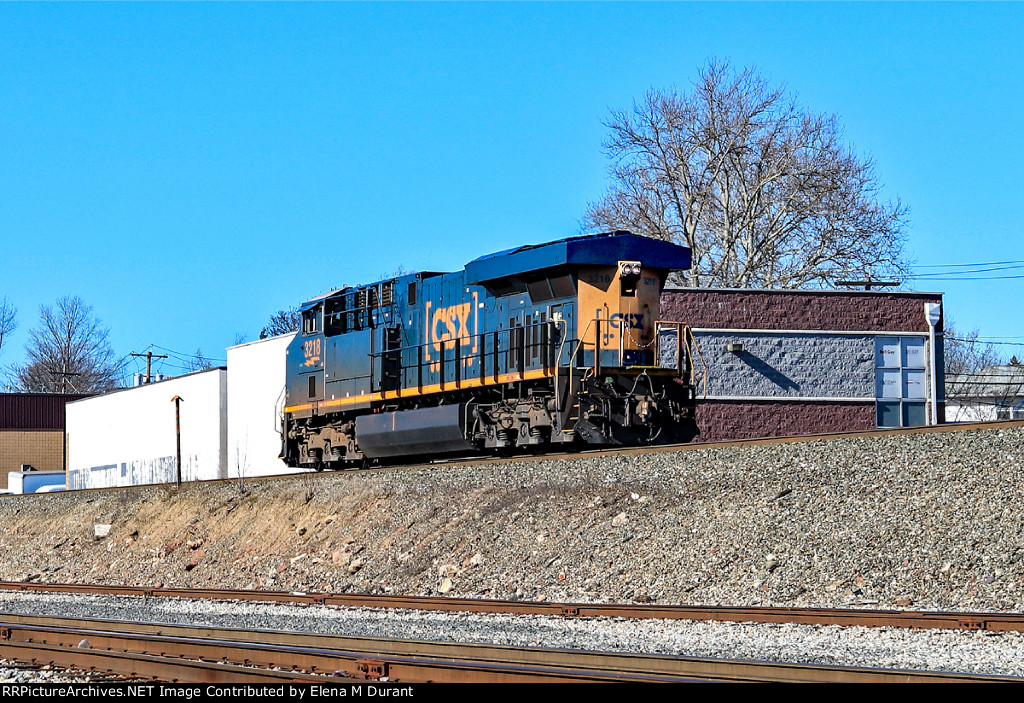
64,374
869,284
149,362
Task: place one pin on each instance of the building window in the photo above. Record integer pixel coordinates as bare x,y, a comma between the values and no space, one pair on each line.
1010,410
901,386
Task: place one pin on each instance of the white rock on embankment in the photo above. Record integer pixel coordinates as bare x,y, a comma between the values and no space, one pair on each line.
905,521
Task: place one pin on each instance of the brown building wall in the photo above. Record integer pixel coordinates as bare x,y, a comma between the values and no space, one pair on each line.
724,420
43,449
845,311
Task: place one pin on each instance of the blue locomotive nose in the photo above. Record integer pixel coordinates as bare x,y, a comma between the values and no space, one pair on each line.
535,346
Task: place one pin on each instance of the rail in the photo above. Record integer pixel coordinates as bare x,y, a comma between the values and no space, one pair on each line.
864,617
226,655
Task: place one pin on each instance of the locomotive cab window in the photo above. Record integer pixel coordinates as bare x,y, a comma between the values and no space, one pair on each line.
334,317
311,321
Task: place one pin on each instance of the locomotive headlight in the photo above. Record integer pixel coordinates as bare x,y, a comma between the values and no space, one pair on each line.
629,268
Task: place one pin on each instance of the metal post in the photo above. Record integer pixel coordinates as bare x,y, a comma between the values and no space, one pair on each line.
177,429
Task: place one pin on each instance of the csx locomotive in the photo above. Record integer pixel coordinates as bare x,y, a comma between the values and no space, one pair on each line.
549,345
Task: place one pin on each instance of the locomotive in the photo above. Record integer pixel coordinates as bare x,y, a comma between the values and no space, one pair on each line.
534,348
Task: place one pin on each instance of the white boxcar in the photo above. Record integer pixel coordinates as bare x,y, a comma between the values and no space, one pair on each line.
128,437
255,398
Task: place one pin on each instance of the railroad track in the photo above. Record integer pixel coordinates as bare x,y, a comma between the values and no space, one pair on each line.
189,654
987,621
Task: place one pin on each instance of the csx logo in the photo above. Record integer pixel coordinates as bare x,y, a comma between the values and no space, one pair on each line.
447,324
621,321
631,320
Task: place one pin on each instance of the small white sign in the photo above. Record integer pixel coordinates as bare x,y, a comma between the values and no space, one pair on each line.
889,384
913,353
913,384
887,352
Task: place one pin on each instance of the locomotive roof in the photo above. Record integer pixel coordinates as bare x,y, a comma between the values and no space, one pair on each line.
594,249
589,249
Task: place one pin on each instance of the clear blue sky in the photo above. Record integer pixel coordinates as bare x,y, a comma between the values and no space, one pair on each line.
188,169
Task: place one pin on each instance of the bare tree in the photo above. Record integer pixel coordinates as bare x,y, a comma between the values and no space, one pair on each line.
282,322
977,378
198,362
965,353
68,352
8,323
764,192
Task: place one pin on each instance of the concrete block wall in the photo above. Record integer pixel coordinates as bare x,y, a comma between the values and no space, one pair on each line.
789,365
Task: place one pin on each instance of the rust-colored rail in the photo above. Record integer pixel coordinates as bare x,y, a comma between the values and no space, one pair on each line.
990,621
192,654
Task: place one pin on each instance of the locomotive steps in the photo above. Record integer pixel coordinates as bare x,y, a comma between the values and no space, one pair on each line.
920,521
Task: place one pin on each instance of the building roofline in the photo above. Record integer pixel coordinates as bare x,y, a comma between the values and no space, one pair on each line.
115,391
801,291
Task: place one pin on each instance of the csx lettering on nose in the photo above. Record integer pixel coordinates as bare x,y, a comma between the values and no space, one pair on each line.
633,321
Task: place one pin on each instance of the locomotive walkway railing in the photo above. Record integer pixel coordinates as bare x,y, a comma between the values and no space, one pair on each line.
472,360
523,352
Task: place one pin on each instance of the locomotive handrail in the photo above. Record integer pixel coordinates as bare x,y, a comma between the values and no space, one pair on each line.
456,343
558,358
684,339
582,341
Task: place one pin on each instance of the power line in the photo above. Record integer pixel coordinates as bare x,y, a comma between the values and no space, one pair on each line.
948,266
942,277
182,356
972,270
986,341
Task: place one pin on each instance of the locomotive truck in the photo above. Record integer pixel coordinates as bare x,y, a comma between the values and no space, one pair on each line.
533,348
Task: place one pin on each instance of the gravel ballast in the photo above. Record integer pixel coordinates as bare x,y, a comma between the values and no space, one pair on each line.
910,521
887,648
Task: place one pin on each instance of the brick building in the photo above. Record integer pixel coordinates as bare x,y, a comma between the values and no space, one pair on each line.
32,431
782,362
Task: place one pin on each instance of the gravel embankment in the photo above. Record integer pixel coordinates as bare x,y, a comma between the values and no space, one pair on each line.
929,521
932,650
